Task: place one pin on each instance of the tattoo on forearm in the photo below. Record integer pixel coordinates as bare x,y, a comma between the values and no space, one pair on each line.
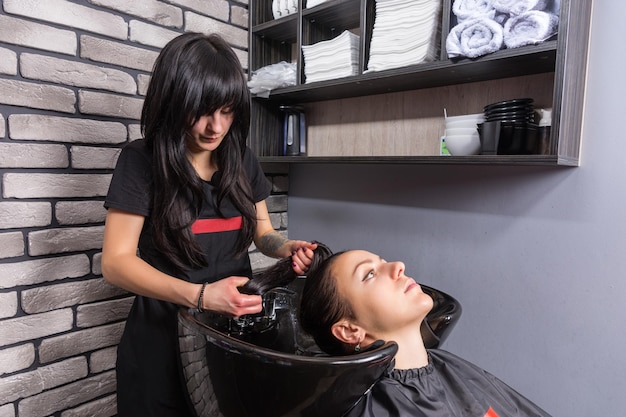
271,242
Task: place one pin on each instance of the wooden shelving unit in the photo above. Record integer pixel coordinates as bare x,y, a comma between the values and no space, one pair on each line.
274,40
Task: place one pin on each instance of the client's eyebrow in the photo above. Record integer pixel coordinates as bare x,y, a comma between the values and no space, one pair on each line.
364,262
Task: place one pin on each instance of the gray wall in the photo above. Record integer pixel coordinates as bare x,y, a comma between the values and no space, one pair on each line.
535,255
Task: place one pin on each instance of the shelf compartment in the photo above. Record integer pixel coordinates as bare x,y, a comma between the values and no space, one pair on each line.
272,40
335,13
284,29
564,58
501,64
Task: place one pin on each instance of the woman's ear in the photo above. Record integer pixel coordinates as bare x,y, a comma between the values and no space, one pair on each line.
347,332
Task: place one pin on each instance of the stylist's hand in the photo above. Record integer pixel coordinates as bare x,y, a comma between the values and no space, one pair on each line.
223,297
301,255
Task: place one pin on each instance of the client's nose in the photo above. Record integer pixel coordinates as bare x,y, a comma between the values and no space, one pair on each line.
397,269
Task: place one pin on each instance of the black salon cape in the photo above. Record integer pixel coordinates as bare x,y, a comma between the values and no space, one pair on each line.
149,380
447,387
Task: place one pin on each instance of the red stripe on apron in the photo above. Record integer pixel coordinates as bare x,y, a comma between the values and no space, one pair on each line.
491,413
216,225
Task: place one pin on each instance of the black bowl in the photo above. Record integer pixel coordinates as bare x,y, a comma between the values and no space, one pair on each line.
510,119
513,138
508,103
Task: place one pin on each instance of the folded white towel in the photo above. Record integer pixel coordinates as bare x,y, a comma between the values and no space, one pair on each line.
517,7
313,3
405,32
529,28
333,58
466,9
474,37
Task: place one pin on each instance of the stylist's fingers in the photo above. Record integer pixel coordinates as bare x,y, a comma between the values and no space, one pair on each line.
224,297
303,244
236,281
301,260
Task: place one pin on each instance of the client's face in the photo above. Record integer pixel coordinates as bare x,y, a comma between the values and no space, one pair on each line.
381,296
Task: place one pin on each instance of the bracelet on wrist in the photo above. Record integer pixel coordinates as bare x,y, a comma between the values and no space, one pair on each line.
199,306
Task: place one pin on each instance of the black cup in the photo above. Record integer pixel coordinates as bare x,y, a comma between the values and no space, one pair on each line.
508,138
489,133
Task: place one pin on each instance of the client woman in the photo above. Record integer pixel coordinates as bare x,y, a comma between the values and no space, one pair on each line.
356,298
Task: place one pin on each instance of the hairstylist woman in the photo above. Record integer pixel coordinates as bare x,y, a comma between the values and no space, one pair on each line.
184,205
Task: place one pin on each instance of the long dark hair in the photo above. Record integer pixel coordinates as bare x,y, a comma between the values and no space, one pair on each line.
282,273
195,75
322,306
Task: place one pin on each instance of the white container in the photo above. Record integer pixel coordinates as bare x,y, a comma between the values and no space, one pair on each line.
474,116
463,123
463,144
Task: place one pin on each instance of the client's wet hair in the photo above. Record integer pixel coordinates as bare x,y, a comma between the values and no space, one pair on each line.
282,273
322,306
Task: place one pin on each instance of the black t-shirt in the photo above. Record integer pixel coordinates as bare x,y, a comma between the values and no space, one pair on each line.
147,372
130,190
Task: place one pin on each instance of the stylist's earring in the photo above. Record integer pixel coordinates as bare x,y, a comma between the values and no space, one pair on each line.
357,348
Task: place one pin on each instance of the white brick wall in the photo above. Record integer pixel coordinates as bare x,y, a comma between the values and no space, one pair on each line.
8,62
73,75
55,185
65,129
67,396
20,214
34,382
35,35
152,10
11,245
63,71
151,35
8,306
116,53
69,14
80,212
16,358
39,270
37,96
20,329
104,104
32,155
7,410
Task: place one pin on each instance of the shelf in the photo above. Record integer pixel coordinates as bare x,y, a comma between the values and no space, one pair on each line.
335,13
284,29
502,64
369,98
547,160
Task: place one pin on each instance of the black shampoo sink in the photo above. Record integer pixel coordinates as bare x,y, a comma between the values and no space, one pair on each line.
266,366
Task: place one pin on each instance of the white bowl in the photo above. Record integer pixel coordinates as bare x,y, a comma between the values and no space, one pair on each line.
463,144
473,116
455,124
461,131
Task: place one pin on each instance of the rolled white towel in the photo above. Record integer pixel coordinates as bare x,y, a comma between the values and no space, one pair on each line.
530,28
466,9
474,37
313,3
517,7
276,12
